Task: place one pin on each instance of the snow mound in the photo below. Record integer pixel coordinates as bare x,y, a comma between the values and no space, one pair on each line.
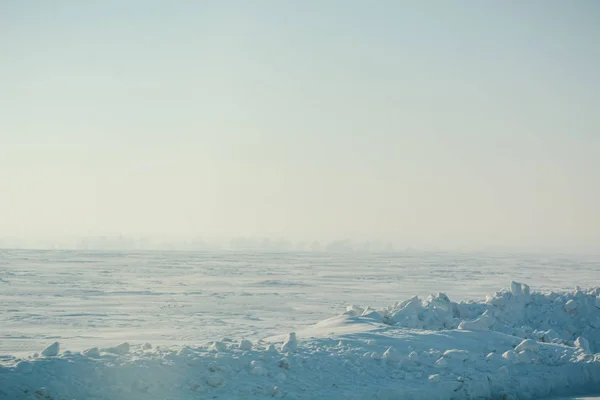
548,317
514,345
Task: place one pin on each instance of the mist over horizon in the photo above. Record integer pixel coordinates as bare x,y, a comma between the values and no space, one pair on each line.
157,242
424,125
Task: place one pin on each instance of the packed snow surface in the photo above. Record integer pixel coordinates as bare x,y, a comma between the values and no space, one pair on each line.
517,343
178,298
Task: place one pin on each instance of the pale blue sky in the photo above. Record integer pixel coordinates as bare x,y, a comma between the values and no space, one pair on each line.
422,122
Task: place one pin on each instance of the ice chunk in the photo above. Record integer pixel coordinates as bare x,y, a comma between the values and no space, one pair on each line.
570,306
413,356
290,344
407,310
583,344
520,290
196,387
43,393
551,337
281,377
259,370
276,392
442,362
372,314
515,288
392,355
354,311
271,349
510,355
506,396
503,371
284,363
24,367
483,323
526,357
121,349
454,354
52,350
528,345
245,345
218,346
93,352
216,380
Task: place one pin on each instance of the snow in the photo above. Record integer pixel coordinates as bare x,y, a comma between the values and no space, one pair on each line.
521,342
245,345
528,345
583,344
93,352
121,349
51,350
483,323
177,298
346,356
290,343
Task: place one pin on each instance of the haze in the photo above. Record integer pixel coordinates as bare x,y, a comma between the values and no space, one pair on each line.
423,123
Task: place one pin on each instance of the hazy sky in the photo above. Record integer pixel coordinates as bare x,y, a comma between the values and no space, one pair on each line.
422,122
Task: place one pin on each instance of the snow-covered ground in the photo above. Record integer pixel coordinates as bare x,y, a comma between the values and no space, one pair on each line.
216,325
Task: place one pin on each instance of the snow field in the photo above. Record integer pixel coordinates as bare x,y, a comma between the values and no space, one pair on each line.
516,344
175,298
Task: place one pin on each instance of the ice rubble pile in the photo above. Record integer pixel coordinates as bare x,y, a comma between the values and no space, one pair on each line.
571,318
515,345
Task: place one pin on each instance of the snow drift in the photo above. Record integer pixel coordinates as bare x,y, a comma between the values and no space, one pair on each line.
516,344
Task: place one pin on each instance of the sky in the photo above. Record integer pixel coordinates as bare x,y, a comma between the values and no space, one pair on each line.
433,123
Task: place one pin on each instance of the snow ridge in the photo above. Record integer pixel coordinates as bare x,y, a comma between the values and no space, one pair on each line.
514,345
553,317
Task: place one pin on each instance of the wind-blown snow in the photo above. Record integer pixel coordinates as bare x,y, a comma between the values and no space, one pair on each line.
177,298
516,344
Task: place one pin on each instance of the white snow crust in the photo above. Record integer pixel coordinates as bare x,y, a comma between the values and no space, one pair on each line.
515,344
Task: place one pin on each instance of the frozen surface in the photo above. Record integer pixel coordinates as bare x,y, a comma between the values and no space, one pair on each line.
88,318
185,298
